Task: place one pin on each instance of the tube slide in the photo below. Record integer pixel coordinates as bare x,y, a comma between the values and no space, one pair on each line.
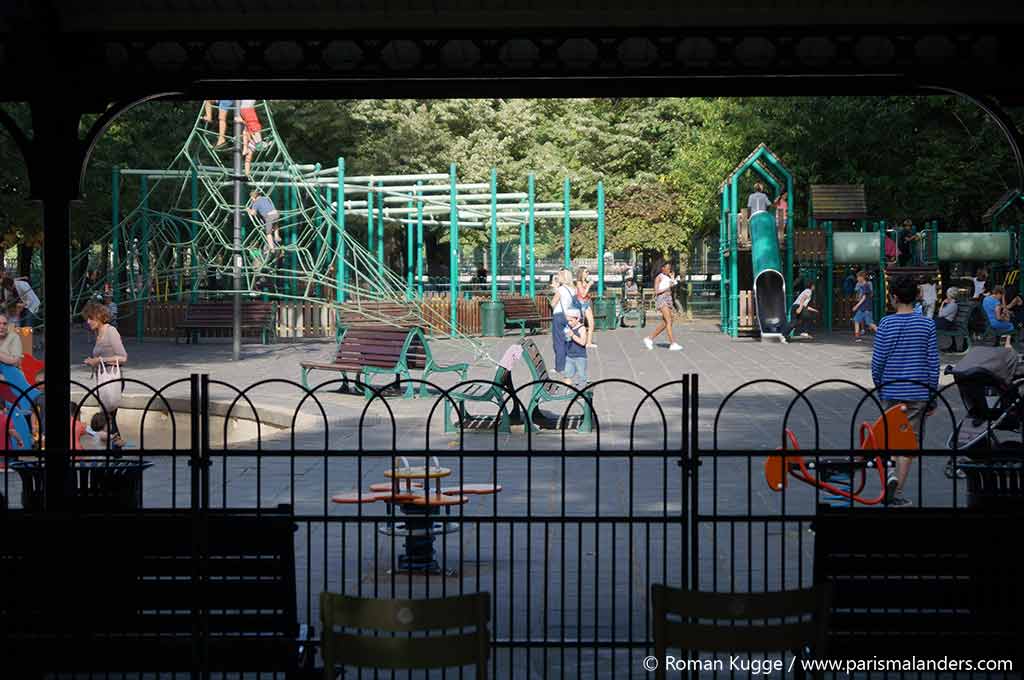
769,283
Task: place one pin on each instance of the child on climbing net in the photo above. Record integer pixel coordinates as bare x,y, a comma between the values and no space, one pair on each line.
223,106
262,206
252,134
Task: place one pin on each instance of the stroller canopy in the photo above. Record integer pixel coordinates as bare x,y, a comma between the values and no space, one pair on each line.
998,364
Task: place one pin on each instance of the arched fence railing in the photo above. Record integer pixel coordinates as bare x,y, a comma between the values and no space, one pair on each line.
566,505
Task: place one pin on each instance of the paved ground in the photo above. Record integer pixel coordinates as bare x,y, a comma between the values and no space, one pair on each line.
584,578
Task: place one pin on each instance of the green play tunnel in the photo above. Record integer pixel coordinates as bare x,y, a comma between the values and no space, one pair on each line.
854,247
974,246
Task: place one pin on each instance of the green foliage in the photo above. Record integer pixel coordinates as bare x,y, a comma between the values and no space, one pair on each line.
661,160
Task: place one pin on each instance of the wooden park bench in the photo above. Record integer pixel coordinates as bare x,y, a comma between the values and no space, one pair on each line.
548,389
963,315
922,582
150,592
367,350
522,312
256,315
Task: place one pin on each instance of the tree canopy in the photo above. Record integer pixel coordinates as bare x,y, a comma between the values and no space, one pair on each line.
661,160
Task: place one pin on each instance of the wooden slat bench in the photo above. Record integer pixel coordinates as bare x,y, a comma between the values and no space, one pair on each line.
133,593
632,307
256,315
552,390
522,312
922,582
366,350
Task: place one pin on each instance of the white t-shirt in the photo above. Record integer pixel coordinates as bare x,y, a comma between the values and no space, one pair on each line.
804,298
928,295
564,300
247,104
979,287
665,282
27,295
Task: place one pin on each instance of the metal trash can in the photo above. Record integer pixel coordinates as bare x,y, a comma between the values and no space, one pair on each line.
604,313
97,485
994,484
492,319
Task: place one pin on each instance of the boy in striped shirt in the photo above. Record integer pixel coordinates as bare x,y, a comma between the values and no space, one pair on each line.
905,366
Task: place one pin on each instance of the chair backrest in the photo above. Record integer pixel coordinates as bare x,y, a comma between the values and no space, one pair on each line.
352,628
799,618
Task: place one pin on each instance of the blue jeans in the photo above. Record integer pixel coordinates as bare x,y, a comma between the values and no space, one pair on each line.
576,368
558,340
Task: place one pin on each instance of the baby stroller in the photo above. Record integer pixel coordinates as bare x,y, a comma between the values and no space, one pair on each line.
990,381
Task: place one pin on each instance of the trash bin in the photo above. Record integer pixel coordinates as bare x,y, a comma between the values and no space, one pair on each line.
994,484
492,318
97,485
604,313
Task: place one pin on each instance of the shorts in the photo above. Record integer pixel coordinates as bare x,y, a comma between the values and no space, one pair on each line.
252,122
576,369
662,301
915,413
864,316
270,221
225,104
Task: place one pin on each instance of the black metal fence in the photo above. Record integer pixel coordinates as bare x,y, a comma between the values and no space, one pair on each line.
566,528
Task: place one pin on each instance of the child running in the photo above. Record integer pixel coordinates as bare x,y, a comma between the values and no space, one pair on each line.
905,368
863,318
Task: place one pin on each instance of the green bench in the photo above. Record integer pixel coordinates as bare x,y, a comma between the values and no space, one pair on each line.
369,350
522,312
631,306
508,408
963,315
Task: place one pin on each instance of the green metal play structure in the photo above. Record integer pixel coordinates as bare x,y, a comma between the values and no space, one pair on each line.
840,237
759,237
177,234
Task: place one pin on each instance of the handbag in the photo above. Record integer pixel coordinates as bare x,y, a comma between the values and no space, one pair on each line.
109,386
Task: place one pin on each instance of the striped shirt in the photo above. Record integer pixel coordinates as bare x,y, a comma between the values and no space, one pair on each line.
906,349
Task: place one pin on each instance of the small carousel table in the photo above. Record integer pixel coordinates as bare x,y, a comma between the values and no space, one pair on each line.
410,489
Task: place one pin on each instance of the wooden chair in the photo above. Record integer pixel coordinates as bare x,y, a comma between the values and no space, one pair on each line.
350,623
807,611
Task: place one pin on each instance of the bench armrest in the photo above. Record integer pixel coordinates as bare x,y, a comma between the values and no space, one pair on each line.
461,369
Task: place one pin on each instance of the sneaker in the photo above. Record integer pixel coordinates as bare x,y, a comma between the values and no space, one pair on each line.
805,335
648,343
952,471
900,501
858,339
891,487
783,340
675,347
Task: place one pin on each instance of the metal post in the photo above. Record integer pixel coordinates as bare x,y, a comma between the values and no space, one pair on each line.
494,234
723,311
409,245
140,304
419,243
339,218
319,242
828,275
453,242
531,228
115,235
522,259
236,250
567,263
600,239
192,229
734,266
370,232
293,237
790,246
380,233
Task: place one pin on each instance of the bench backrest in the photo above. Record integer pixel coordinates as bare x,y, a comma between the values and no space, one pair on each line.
521,308
88,586
534,360
252,312
378,312
382,346
963,315
919,581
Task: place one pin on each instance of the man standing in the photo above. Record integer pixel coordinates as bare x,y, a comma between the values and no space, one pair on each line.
905,369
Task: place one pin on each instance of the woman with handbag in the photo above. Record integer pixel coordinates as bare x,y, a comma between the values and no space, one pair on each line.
108,354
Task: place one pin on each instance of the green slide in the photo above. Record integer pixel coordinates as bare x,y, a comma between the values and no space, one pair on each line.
769,283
